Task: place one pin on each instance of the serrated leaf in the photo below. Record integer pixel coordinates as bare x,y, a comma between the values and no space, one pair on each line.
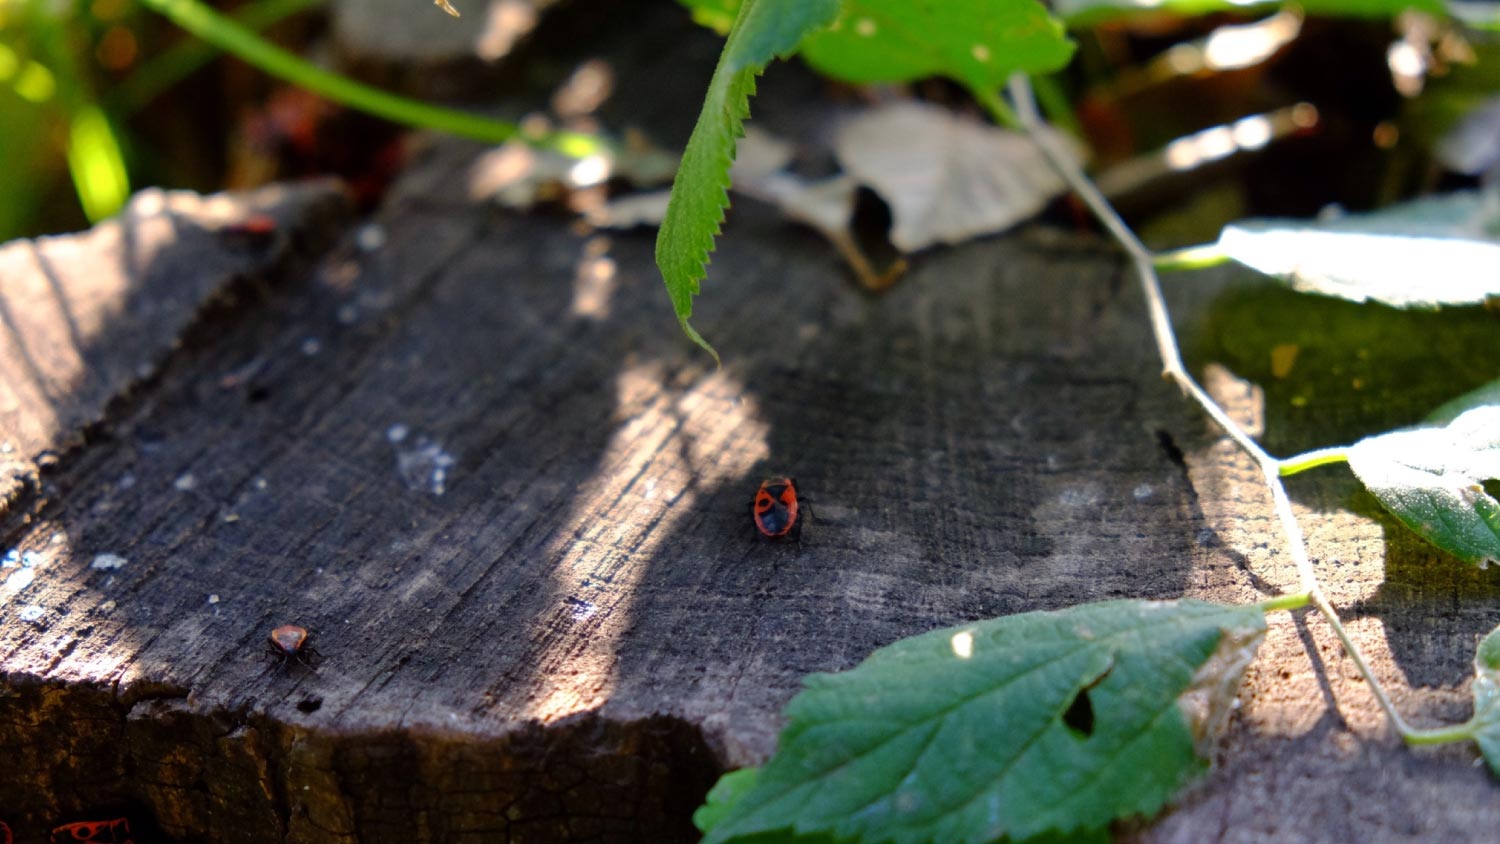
977,42
1439,250
1486,688
763,30
1432,478
1034,724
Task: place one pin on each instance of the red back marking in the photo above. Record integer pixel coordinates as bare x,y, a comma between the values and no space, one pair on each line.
116,831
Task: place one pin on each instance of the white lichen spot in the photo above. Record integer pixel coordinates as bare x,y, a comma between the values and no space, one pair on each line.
107,607
30,613
20,579
260,484
864,27
311,346
231,518
108,561
397,432
186,482
1082,496
1142,492
32,560
6,448
58,538
424,466
962,644
370,237
11,560
213,599
980,52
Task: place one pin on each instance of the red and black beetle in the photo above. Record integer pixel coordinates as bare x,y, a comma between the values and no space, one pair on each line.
290,642
776,511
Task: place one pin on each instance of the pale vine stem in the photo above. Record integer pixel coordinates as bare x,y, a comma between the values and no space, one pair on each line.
1173,369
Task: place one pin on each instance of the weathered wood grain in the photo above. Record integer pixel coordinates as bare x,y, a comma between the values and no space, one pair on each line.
510,502
83,318
473,455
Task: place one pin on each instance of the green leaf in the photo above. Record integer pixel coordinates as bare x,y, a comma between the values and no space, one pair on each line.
97,164
717,15
1439,250
1088,12
763,30
1035,724
977,42
1486,720
736,784
1432,478
722,797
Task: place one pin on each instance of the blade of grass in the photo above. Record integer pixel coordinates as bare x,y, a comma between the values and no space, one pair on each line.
96,163
96,159
234,38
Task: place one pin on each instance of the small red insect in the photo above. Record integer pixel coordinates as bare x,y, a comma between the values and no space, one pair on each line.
5,836
115,831
290,642
776,511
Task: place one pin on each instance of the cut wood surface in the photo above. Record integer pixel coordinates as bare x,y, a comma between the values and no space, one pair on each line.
470,452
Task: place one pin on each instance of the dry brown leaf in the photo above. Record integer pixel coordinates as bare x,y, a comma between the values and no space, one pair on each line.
946,178
826,205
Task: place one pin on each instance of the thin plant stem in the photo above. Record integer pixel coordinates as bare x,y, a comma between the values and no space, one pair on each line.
1054,102
1000,110
1314,459
1173,369
1290,601
233,38
1191,258
1441,735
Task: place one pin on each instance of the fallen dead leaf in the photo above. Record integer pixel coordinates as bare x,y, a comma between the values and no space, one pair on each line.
947,178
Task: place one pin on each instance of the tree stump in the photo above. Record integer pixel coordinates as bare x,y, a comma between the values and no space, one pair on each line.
470,452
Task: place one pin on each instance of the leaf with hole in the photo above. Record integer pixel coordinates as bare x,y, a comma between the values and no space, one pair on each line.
1044,723
763,30
1438,250
1432,478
